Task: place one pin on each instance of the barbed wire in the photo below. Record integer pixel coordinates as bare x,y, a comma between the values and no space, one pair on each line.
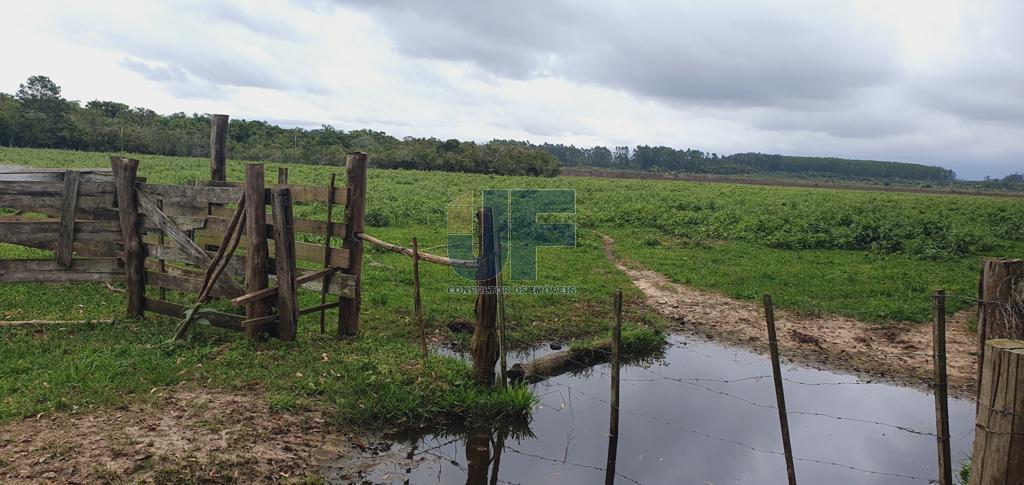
745,445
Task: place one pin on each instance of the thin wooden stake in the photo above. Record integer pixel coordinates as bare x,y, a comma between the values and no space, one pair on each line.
416,302
327,252
941,388
780,396
613,425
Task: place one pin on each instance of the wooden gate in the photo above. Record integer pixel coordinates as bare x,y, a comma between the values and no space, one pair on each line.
160,240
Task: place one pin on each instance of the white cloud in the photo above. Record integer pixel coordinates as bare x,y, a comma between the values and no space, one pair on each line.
925,81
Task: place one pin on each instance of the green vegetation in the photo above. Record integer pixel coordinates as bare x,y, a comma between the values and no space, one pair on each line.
38,116
874,256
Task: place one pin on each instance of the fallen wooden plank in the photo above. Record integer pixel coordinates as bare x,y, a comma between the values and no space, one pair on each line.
217,319
25,323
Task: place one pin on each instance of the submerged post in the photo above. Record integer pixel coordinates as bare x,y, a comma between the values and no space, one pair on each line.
355,212
780,397
218,148
941,389
613,424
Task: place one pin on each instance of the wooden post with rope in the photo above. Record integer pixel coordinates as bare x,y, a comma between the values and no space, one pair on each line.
355,212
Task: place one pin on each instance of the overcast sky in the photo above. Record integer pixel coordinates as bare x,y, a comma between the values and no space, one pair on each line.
931,81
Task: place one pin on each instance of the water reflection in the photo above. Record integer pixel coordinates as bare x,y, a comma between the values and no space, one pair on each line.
701,414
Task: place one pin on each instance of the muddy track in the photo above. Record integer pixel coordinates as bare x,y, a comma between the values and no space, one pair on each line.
897,353
187,434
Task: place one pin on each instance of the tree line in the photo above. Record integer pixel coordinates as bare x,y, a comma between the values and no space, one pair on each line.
39,116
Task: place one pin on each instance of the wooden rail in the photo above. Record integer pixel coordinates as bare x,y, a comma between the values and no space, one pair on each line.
464,263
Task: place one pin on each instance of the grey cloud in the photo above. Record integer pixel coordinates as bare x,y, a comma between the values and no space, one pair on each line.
157,73
706,52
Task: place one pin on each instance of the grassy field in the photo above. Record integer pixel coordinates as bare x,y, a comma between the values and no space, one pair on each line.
873,256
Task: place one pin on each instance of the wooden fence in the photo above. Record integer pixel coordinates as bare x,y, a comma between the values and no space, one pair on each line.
114,226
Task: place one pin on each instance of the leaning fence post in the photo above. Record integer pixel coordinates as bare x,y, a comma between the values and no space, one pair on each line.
218,148
998,456
613,424
780,396
125,171
484,346
257,253
355,211
941,387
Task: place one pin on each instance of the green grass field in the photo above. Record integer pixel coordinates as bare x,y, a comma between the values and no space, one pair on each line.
873,256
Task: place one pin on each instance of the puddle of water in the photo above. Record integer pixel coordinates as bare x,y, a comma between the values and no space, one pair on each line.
696,416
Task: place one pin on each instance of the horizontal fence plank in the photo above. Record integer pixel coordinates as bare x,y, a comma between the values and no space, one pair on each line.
186,284
88,206
47,270
213,195
42,233
229,321
54,189
307,226
309,193
300,193
312,253
28,174
236,267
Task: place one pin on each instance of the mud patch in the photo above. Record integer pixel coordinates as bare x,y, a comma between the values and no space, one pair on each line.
900,353
183,435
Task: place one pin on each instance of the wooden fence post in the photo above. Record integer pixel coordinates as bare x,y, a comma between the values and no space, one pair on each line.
257,253
780,396
218,148
485,343
125,171
326,285
998,456
355,212
284,255
282,176
417,304
1001,305
613,424
941,387
66,231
